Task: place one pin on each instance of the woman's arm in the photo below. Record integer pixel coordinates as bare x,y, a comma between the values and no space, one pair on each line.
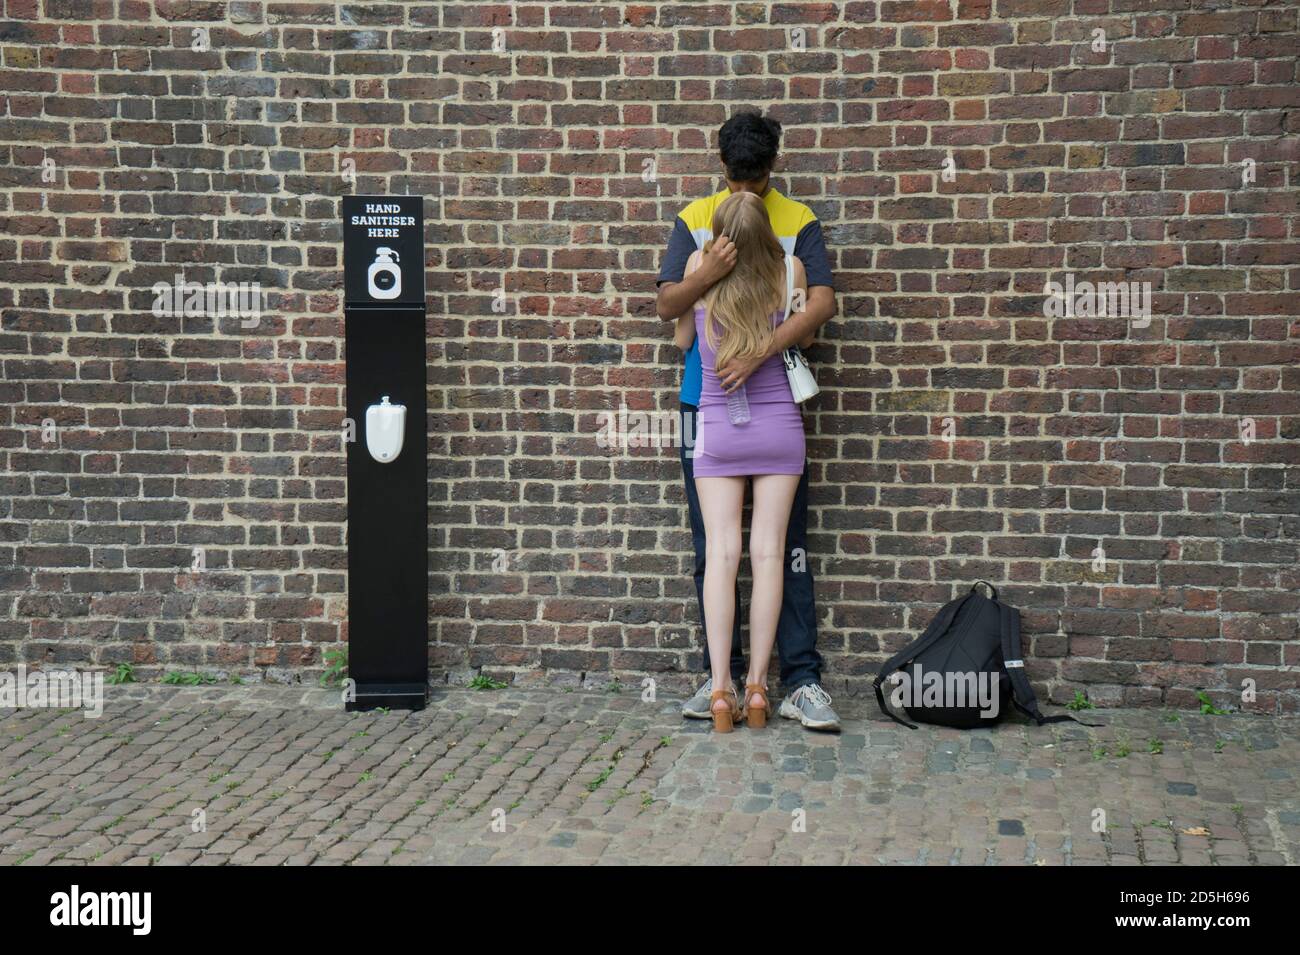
684,333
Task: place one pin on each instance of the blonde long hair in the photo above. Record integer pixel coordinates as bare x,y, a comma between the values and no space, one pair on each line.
740,306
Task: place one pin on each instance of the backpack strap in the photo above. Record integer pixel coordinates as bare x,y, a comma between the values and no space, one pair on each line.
880,700
1022,695
937,628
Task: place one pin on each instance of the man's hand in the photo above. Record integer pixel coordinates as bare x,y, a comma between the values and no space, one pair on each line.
676,298
718,262
735,372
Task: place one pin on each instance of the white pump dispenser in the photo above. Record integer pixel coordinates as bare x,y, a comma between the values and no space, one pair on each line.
385,427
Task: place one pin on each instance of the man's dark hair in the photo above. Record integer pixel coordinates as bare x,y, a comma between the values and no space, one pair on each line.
749,143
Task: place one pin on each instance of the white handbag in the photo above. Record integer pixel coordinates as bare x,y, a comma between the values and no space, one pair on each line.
802,383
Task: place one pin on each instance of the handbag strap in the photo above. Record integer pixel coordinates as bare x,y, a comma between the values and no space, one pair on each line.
789,287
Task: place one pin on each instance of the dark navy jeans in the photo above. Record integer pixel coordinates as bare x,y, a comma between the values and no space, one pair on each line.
796,631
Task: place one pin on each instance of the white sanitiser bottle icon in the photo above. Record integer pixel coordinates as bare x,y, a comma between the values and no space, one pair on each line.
383,271
385,426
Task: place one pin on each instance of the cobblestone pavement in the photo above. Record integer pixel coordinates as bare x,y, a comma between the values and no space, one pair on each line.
282,775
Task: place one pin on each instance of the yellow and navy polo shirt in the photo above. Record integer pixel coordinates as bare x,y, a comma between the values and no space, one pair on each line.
795,226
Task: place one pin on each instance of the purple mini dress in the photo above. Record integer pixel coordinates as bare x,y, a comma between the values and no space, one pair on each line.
771,442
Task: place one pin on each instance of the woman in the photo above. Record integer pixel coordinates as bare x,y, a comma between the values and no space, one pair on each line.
763,441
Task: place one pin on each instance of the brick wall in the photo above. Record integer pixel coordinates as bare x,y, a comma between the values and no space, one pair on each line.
1131,485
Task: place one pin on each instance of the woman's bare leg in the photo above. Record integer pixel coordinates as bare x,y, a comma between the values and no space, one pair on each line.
721,501
773,498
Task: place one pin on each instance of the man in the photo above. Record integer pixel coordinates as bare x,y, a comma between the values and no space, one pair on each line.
748,143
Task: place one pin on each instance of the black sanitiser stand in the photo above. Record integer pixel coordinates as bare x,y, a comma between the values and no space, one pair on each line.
388,509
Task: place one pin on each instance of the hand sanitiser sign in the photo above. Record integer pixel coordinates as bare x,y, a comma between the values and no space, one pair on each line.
383,250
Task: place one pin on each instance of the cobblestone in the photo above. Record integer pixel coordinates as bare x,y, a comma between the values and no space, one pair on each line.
282,776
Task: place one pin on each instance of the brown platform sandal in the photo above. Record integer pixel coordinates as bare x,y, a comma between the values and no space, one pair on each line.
756,716
724,720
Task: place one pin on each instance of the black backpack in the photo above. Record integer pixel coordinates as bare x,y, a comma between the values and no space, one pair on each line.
969,656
